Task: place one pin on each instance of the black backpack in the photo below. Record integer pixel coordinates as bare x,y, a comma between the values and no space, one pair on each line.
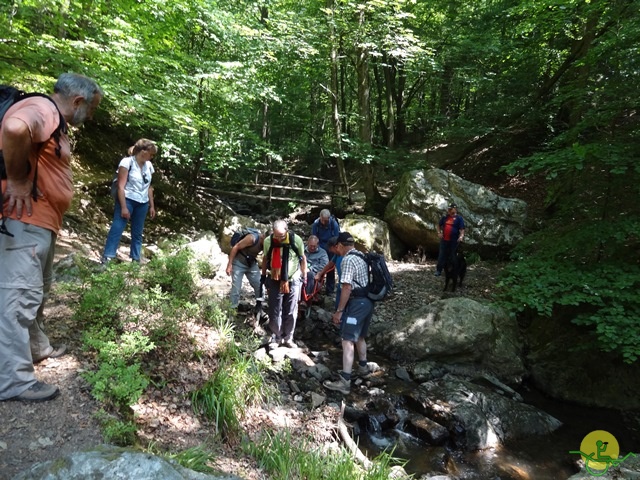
114,182
380,281
243,232
239,235
9,96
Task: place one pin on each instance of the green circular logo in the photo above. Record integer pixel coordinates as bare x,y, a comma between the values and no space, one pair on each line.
599,448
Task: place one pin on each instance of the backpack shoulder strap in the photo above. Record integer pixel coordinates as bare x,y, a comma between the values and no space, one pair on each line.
255,235
357,253
337,225
268,253
62,123
292,243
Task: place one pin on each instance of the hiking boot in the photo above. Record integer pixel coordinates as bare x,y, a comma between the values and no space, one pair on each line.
368,370
341,385
38,392
271,342
57,351
289,344
364,371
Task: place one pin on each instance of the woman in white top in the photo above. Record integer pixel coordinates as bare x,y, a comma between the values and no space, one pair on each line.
134,198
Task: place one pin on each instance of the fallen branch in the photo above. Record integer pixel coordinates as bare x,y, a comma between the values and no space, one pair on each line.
350,444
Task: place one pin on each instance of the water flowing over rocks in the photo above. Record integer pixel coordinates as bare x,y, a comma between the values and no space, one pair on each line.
494,224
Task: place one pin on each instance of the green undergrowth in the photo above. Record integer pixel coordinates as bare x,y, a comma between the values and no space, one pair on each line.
588,273
238,383
284,457
133,315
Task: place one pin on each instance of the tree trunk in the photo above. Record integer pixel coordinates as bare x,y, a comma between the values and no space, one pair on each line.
335,111
202,141
400,127
381,124
390,89
374,202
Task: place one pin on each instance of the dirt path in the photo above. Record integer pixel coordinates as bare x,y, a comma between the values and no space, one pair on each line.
31,433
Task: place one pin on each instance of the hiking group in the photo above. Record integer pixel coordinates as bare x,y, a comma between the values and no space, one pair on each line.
291,271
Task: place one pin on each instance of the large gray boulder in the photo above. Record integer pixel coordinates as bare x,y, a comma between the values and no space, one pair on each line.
373,234
476,416
494,224
457,331
112,462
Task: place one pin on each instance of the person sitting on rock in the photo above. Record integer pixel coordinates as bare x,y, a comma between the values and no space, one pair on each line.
317,258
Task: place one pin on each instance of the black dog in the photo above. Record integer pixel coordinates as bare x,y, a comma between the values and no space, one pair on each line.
455,269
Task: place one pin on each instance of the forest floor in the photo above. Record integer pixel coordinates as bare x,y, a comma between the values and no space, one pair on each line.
31,433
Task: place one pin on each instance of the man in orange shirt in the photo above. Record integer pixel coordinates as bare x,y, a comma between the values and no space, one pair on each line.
35,146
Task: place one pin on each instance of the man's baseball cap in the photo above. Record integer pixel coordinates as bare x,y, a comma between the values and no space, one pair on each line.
453,205
345,237
332,242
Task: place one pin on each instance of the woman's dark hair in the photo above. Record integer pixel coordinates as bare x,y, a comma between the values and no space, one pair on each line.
142,144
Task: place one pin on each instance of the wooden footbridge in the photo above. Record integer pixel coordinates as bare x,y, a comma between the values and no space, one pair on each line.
277,186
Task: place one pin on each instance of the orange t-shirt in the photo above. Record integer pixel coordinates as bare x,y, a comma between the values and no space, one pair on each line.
55,180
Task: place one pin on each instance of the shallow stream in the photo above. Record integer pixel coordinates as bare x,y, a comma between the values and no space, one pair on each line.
534,458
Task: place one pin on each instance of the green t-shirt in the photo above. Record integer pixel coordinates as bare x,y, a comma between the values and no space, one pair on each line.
294,261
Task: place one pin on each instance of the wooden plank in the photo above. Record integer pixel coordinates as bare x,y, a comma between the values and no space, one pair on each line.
290,175
266,197
283,187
